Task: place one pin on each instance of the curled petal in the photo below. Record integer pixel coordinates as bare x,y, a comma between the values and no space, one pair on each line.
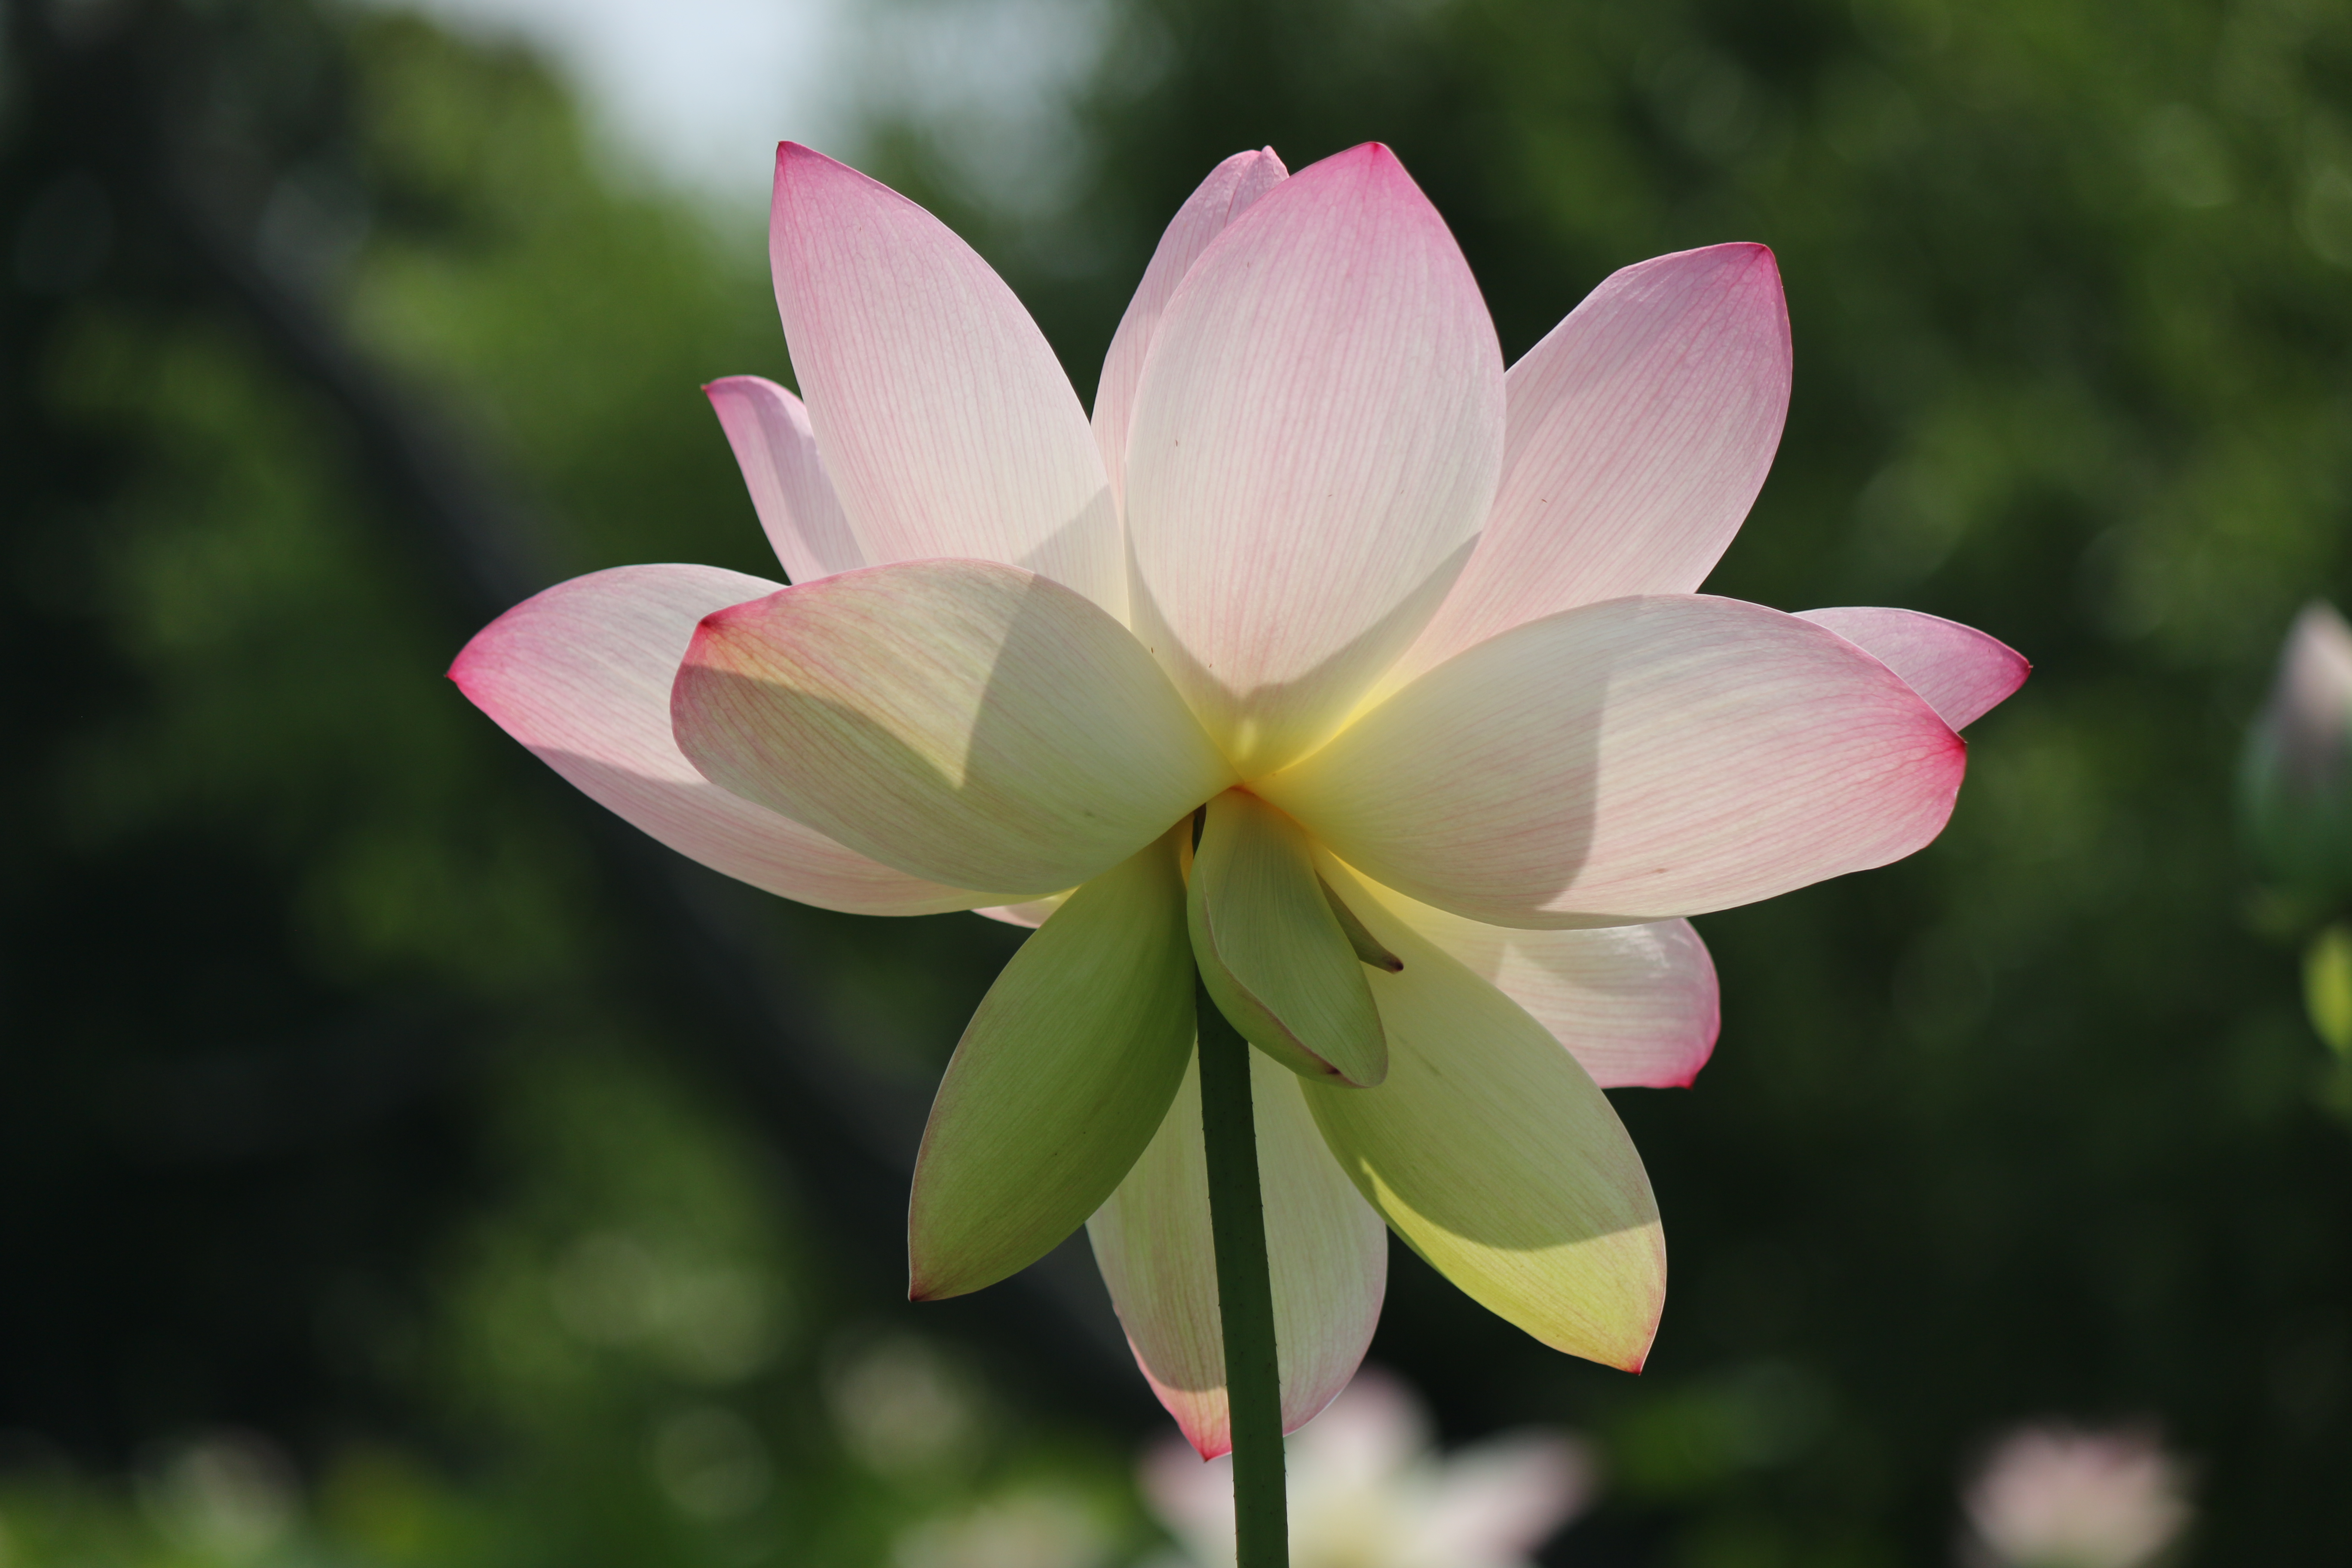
1271,950
581,674
1497,1159
957,717
1315,444
773,446
1963,673
1224,196
1062,1078
945,421
1637,1005
1328,1251
1641,428
1629,762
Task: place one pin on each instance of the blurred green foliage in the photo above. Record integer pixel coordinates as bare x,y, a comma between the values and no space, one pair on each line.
348,1118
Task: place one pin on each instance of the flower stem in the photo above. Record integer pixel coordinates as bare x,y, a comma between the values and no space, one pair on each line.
1244,1293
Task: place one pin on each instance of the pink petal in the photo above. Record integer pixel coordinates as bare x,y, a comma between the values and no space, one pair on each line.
1327,1248
1637,1005
1224,196
775,449
1641,429
582,674
1315,444
947,425
959,720
1632,760
1961,672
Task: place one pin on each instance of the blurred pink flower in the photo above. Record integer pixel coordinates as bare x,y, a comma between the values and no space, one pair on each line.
2051,1497
1421,636
1368,1491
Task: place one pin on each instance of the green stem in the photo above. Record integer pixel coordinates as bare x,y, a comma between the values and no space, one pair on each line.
1244,1293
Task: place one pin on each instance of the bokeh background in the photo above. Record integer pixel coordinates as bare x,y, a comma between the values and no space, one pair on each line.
403,1166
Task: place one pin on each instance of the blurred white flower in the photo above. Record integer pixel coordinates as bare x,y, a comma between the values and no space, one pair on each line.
230,1496
1368,1491
1022,1529
2295,783
2051,1497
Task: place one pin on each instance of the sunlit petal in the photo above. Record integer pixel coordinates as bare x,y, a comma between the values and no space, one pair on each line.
1640,432
1224,196
1963,673
944,419
802,517
1496,1157
1315,441
1637,1005
957,718
581,674
1632,760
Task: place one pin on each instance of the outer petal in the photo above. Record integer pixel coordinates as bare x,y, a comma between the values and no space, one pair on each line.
1629,762
1315,446
946,422
581,674
954,717
1272,955
1637,1006
1497,1159
1961,672
1061,1079
1224,196
1641,429
776,449
1329,1253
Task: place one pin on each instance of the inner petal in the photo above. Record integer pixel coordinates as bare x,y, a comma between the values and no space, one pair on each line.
1274,955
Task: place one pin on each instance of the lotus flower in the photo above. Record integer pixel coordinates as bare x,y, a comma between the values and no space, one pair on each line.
1416,639
2051,1497
1368,1491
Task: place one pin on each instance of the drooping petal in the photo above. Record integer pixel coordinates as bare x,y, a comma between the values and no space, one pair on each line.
1328,1251
1629,762
1315,444
1496,1157
947,425
1271,951
1961,672
1640,432
581,674
1062,1078
1224,196
1638,1006
958,717
774,446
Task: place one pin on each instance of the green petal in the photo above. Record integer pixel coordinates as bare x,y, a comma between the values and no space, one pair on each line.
1328,1254
1491,1152
1060,1080
1272,953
